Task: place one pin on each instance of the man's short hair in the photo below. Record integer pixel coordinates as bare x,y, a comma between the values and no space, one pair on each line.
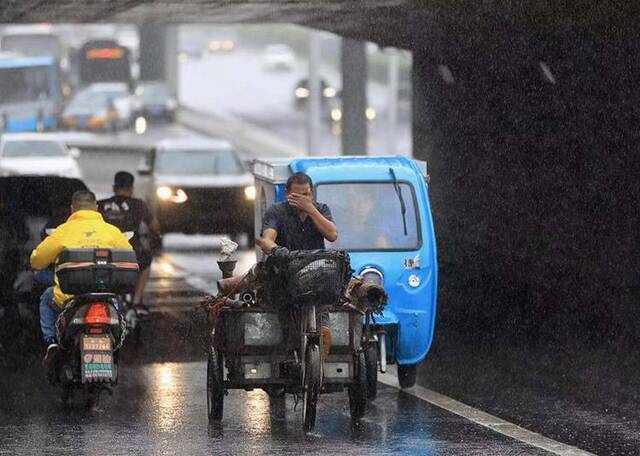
300,179
123,179
83,199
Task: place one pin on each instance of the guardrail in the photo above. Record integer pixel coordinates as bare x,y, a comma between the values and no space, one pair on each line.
255,140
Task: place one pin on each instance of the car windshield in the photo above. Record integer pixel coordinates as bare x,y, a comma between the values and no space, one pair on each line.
278,49
32,149
198,162
88,100
369,215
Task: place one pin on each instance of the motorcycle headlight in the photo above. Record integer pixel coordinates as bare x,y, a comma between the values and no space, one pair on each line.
250,192
372,275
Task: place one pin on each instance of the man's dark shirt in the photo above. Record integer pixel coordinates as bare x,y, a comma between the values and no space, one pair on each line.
293,233
125,213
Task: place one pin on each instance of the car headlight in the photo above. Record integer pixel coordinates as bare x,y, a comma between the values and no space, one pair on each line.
370,113
329,92
141,125
170,104
250,192
166,193
372,275
302,92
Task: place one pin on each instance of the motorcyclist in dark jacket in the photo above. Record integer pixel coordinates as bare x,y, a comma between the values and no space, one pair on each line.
128,213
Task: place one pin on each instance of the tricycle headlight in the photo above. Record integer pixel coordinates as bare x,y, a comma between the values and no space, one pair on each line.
250,192
372,275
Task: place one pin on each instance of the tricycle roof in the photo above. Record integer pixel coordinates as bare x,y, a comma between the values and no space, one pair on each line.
341,168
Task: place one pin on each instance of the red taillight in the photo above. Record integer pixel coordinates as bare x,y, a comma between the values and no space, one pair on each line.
97,314
96,330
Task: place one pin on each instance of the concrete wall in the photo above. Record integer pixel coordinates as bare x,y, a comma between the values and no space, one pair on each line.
532,141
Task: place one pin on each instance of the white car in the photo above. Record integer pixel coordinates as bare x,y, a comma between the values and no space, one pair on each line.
39,154
278,56
120,93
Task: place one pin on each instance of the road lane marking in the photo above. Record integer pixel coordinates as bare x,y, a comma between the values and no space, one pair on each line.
486,420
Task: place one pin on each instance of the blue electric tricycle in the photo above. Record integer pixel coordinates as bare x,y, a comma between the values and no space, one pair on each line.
381,207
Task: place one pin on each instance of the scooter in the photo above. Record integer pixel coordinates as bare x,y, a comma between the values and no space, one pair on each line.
91,329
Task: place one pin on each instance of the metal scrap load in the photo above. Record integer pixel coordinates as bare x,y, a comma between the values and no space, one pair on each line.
286,278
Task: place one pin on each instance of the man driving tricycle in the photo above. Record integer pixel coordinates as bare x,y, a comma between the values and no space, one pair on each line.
381,206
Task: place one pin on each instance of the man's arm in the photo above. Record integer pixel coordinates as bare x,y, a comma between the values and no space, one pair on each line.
47,251
268,240
269,230
323,222
148,218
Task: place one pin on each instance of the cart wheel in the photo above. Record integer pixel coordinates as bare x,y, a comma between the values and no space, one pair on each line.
311,386
215,386
358,389
371,359
407,375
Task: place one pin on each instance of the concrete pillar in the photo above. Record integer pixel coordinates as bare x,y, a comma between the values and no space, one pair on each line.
354,97
171,59
152,52
532,152
159,54
315,96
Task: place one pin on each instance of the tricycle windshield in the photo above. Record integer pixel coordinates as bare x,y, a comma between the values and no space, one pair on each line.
369,215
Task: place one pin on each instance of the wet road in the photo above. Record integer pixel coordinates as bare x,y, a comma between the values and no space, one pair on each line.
159,406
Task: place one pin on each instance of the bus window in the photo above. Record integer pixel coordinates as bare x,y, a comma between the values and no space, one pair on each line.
28,84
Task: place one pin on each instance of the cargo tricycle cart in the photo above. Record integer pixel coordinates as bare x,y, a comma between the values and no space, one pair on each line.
265,331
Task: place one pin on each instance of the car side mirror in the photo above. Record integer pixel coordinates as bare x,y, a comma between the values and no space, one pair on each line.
74,152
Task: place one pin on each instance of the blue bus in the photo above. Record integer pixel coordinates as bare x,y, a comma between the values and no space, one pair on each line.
30,93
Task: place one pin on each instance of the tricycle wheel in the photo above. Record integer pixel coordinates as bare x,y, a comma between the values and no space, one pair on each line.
371,360
407,375
311,385
358,389
215,385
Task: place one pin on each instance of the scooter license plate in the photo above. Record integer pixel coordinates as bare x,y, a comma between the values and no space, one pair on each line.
96,359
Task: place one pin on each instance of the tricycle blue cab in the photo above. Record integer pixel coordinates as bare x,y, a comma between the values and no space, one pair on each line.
381,207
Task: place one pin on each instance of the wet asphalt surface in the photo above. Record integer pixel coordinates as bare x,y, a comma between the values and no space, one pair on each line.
159,407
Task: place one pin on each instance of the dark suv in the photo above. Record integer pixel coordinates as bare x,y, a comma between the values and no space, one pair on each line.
200,186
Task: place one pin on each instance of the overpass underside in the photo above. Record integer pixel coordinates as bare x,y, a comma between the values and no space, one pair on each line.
529,118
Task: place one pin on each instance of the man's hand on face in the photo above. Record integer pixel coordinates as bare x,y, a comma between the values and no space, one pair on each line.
301,202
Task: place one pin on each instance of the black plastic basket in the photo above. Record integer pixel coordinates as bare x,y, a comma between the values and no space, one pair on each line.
310,276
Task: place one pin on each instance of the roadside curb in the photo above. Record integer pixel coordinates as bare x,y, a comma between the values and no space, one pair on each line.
484,419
